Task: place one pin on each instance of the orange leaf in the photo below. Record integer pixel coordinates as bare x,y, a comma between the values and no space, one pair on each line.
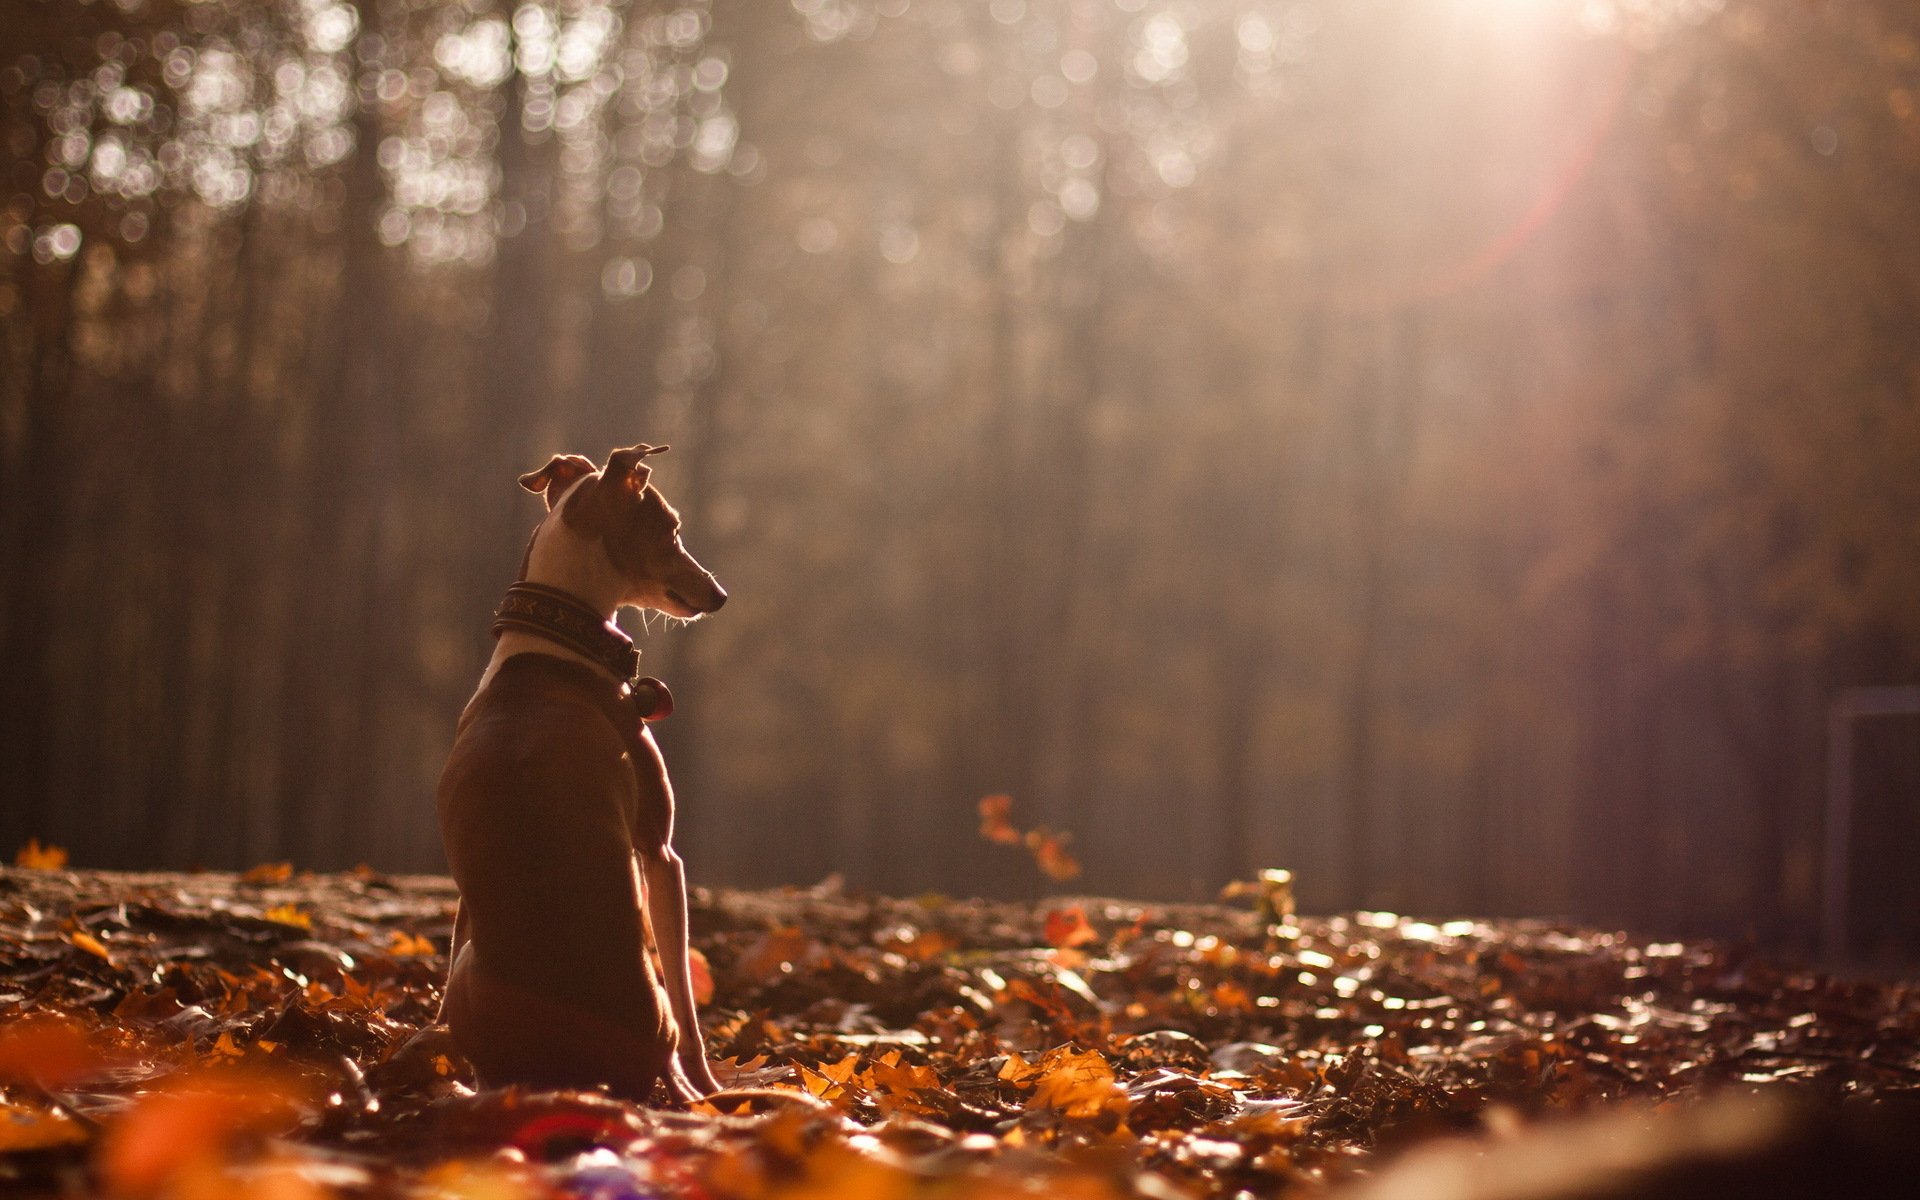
833,1169
765,958
36,857
268,873
288,914
921,946
48,1050
1078,1084
1232,997
898,1089
843,1071
23,1128
1068,927
702,972
837,1083
91,944
186,1127
1050,851
407,945
994,825
1018,1071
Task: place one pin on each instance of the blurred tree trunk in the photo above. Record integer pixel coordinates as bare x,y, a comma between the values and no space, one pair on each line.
37,507
1384,434
324,755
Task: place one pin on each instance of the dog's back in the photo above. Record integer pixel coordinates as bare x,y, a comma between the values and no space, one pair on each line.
538,806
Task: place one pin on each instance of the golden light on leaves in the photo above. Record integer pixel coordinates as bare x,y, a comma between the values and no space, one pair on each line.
987,1070
36,857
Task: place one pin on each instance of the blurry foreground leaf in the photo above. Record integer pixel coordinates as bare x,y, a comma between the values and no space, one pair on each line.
193,1124
47,1049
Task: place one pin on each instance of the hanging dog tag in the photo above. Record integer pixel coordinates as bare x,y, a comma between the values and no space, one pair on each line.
651,699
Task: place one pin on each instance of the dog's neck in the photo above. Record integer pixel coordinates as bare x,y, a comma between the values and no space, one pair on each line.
560,557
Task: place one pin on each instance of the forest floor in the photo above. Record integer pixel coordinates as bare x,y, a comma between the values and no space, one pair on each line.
268,1034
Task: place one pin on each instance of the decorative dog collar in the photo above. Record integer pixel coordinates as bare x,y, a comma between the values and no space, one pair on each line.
570,621
565,619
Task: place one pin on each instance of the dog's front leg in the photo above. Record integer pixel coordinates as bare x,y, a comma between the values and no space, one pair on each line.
666,880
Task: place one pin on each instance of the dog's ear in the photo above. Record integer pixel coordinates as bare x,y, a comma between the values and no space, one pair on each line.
598,508
561,472
624,468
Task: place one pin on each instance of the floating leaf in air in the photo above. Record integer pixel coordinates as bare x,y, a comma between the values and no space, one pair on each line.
1050,852
994,823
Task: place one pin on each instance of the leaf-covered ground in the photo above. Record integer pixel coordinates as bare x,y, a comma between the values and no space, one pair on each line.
209,1035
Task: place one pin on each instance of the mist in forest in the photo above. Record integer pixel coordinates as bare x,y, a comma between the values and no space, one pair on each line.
1460,450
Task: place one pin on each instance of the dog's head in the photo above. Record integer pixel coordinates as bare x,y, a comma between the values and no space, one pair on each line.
617,508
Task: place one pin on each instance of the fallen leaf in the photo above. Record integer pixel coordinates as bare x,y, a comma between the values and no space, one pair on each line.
1018,1071
702,972
185,1128
834,1170
36,857
288,914
921,945
28,1128
901,1088
1080,1085
786,944
1069,927
268,873
407,945
47,1050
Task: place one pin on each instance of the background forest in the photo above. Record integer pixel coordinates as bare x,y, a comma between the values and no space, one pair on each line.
1457,449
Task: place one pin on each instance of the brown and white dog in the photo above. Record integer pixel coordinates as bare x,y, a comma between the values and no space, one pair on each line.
569,965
